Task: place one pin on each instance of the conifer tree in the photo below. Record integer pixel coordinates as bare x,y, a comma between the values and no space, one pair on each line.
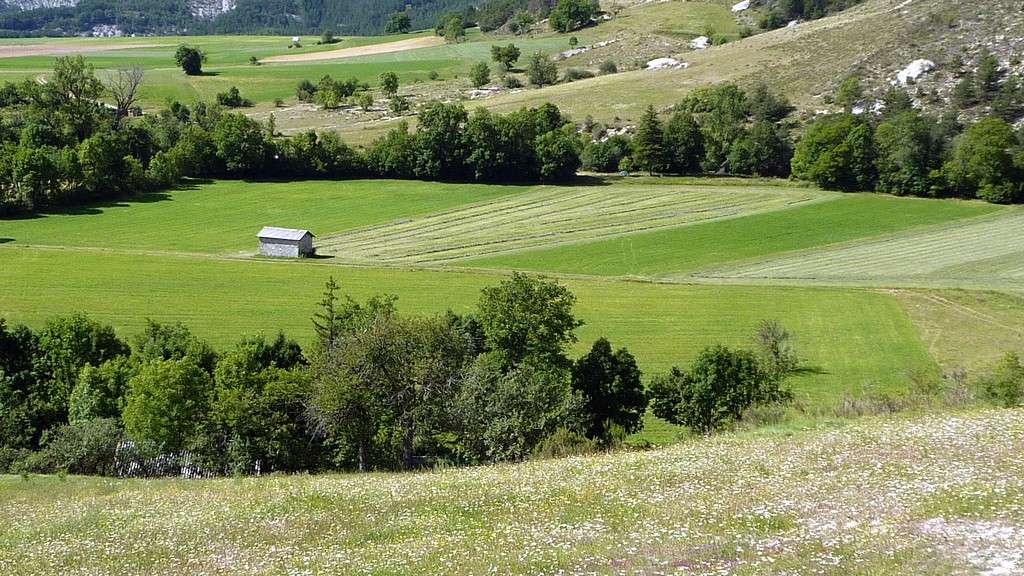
648,144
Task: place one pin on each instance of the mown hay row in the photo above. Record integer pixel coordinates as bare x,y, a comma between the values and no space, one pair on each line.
551,216
985,248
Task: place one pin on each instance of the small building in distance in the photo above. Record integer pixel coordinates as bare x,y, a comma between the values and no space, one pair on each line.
285,242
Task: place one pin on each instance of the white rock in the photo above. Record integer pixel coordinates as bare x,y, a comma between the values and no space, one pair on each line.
792,23
741,6
574,52
913,71
666,64
700,43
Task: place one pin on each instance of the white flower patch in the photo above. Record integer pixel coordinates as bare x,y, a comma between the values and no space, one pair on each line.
853,499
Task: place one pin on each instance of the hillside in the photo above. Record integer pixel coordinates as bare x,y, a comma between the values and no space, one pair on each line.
807,61
934,495
363,17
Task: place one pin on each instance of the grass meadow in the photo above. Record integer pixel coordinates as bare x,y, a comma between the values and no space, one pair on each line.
225,216
228,56
979,252
681,250
187,255
228,62
934,495
850,338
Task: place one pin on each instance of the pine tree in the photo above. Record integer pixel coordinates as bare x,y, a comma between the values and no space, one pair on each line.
326,321
987,77
648,144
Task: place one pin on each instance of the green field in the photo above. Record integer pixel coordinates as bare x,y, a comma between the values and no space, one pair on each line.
849,337
225,216
554,215
682,250
187,255
980,252
934,495
227,64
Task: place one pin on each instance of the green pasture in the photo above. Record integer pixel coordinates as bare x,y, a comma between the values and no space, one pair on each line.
228,62
549,216
986,251
682,250
849,338
224,216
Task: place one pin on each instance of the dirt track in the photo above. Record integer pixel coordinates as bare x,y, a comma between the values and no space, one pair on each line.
62,49
399,46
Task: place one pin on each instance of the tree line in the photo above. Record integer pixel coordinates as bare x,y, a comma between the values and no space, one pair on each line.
899,150
61,145
377,390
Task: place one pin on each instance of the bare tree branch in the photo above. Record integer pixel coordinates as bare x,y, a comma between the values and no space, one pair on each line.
124,86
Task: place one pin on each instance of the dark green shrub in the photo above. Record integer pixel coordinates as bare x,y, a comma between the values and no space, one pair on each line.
718,388
1005,385
577,74
84,447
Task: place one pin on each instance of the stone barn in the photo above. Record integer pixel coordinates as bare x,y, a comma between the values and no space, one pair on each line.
285,242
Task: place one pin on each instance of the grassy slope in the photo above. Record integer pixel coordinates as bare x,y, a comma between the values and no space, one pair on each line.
929,496
877,39
852,337
986,325
225,216
686,249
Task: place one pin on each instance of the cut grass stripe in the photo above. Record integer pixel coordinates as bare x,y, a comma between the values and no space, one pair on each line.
981,249
682,250
550,216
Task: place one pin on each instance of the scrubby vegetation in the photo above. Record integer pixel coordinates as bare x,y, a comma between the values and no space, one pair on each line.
377,390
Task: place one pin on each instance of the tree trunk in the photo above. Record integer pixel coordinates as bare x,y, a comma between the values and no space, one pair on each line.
362,454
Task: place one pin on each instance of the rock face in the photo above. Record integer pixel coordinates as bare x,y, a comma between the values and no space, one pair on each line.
666,64
210,8
700,43
913,71
741,6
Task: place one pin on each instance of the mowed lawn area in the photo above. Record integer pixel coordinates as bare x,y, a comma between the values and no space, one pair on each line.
681,250
186,255
934,495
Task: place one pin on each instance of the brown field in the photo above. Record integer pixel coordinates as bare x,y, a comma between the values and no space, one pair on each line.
63,49
386,48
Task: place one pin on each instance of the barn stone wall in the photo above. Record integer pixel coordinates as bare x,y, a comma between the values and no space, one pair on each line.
286,248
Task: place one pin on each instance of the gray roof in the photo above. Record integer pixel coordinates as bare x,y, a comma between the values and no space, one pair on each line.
282,233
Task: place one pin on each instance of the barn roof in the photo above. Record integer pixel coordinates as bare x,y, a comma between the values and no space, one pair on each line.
274,233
